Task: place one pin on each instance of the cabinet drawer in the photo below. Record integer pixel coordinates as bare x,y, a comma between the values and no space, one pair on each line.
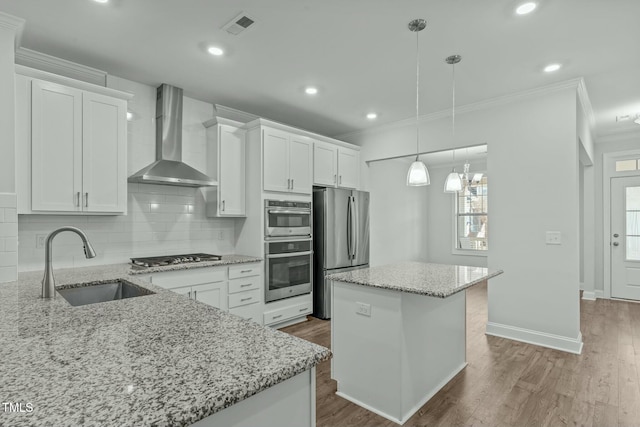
251,312
196,276
286,313
244,270
245,284
244,298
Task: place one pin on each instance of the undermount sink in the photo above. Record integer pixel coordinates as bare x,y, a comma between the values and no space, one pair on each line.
102,292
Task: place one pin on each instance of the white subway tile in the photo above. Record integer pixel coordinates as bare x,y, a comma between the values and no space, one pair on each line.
10,215
8,259
8,200
8,274
11,244
8,229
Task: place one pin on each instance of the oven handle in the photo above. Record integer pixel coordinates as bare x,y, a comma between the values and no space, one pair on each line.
289,254
289,211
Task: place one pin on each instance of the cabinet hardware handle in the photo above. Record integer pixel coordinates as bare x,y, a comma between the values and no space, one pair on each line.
189,294
195,295
246,299
302,309
616,235
277,317
86,200
223,206
292,184
78,199
615,243
288,183
340,180
335,178
245,285
246,271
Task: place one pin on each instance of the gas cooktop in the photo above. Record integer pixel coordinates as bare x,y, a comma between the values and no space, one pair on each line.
159,261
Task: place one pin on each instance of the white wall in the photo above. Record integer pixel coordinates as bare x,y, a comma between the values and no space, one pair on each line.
440,222
161,219
9,25
398,215
533,163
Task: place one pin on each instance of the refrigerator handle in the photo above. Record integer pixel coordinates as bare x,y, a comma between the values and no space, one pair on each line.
349,228
355,227
352,220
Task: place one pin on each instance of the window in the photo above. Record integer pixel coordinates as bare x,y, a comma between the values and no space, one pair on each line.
471,215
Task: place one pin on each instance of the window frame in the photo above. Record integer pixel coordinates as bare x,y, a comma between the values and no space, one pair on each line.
454,237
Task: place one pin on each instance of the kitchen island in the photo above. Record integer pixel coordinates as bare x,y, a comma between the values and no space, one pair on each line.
398,333
159,359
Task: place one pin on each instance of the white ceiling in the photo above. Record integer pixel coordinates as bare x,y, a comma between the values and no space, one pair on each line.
359,53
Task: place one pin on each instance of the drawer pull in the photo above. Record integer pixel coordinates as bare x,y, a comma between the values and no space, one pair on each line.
246,299
246,271
277,317
245,285
302,309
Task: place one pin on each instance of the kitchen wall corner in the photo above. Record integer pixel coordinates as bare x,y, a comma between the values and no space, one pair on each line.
8,238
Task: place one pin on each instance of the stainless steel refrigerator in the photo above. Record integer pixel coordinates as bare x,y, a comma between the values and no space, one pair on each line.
340,239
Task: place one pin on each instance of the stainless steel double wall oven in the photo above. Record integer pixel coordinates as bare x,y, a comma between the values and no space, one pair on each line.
288,249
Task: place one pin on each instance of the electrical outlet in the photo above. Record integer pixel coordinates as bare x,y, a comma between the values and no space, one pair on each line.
40,240
363,309
221,235
554,238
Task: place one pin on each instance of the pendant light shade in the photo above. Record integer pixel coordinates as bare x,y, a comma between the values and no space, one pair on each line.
453,184
418,174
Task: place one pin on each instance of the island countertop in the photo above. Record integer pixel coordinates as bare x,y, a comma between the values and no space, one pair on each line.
436,280
159,359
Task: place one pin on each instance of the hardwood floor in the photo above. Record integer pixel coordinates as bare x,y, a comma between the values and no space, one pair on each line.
508,383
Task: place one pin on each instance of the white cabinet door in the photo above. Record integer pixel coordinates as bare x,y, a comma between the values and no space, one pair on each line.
276,160
300,164
104,146
231,185
348,168
56,161
213,294
325,164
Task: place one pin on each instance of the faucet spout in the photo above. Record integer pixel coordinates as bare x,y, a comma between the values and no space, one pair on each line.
48,281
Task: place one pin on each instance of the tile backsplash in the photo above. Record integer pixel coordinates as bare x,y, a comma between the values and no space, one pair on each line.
8,238
161,220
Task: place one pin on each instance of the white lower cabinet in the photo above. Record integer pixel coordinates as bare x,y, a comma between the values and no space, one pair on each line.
238,289
288,311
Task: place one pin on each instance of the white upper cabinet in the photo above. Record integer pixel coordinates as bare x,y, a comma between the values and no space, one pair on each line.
335,166
71,149
287,162
227,158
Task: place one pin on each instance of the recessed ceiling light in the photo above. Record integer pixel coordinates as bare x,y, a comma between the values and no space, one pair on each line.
311,90
551,68
525,8
372,116
101,1
216,51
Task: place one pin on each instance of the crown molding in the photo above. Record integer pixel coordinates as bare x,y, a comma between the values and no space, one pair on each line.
585,102
619,135
14,24
42,61
233,114
475,106
290,129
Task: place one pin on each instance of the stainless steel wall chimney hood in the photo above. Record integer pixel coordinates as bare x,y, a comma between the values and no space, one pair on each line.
168,169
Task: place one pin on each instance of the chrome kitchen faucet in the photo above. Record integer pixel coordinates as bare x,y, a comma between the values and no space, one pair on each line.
48,282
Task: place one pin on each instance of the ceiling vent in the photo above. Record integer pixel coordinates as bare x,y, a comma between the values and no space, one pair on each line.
239,24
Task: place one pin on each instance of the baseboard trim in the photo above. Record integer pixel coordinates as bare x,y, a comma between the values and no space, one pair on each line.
599,293
557,342
589,295
413,410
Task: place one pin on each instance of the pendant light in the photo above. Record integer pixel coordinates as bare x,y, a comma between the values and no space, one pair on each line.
453,184
418,174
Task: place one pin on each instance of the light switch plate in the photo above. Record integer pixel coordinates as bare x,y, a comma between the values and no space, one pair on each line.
554,238
363,309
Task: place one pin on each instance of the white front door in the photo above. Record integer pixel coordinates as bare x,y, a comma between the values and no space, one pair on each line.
625,237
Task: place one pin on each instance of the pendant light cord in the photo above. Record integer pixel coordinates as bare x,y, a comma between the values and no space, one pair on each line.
417,94
453,111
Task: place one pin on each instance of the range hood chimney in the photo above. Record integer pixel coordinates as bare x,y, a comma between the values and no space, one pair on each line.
168,169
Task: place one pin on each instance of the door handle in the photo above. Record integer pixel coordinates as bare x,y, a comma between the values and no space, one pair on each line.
86,200
349,226
223,206
616,243
78,199
616,235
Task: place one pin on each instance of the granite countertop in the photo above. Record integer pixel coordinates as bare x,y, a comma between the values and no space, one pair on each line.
158,359
436,280
226,260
